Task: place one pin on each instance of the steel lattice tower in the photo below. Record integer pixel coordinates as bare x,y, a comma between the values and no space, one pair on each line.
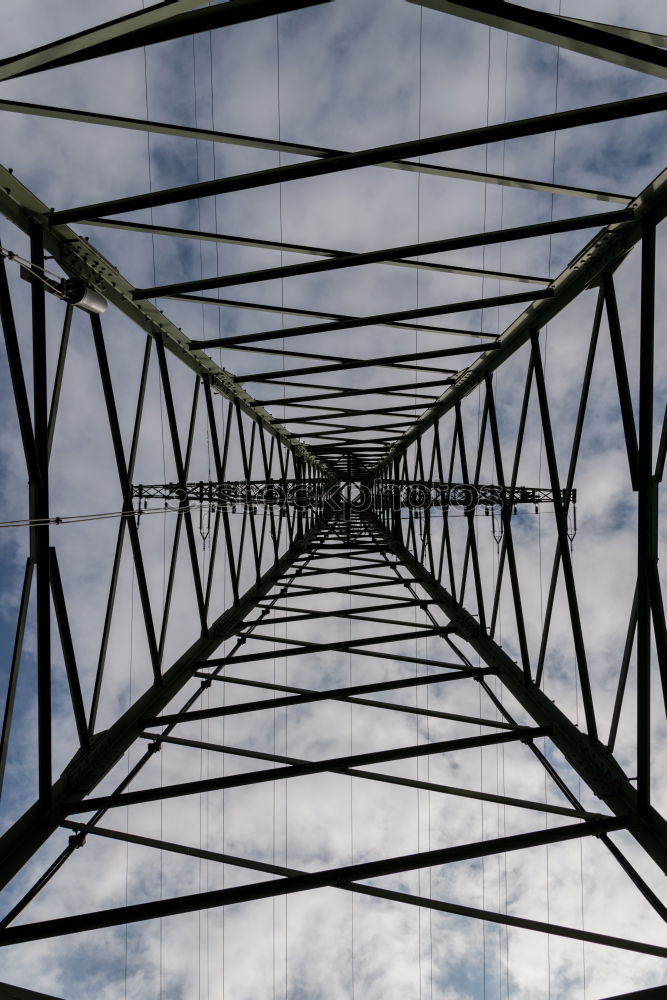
313,680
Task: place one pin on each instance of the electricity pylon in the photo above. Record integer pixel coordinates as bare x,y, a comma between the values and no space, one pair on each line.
370,516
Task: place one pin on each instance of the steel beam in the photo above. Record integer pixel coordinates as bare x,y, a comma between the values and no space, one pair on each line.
9,992
58,378
509,920
648,37
126,492
15,365
379,319
181,472
367,158
257,777
39,512
375,703
307,697
586,37
409,899
67,646
311,880
160,23
13,679
299,248
268,376
210,300
561,528
574,455
647,514
299,149
120,538
343,392
652,993
528,232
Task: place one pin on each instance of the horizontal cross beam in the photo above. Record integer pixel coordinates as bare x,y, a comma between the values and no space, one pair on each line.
368,157
597,40
530,231
299,149
572,933
160,23
307,697
382,495
523,734
377,319
313,880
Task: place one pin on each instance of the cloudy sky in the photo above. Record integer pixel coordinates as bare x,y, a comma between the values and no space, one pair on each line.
348,75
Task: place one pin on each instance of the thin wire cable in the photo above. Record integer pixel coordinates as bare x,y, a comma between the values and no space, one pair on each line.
419,177
273,821
218,250
143,512
349,681
127,811
539,522
218,245
282,323
164,528
417,273
199,866
204,533
500,751
479,405
203,799
581,846
35,270
576,682
37,522
428,805
419,871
